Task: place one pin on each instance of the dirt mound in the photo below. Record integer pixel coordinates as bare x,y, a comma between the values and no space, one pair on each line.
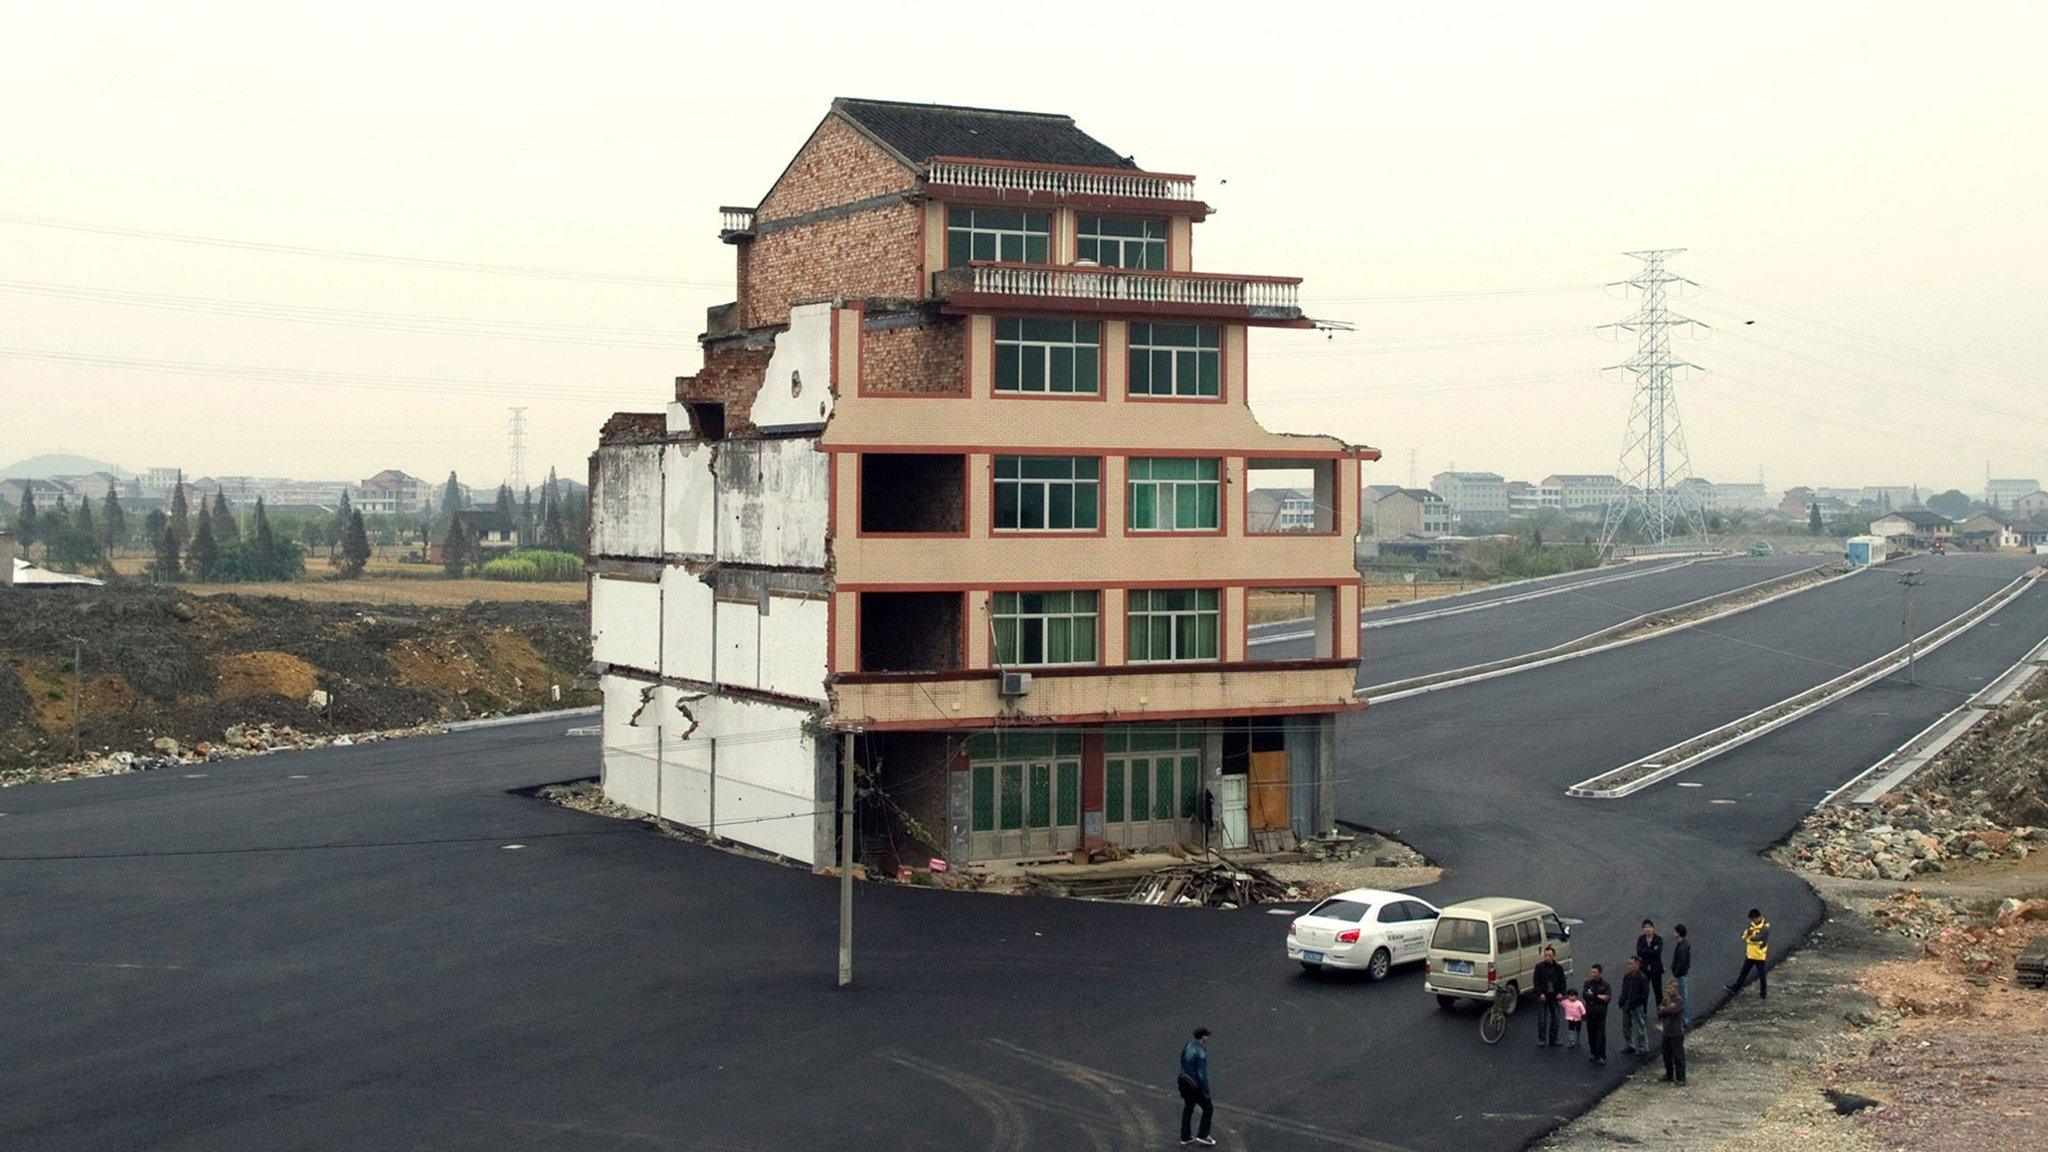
161,662
242,674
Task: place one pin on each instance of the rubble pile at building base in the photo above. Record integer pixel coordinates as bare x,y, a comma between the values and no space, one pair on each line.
1903,836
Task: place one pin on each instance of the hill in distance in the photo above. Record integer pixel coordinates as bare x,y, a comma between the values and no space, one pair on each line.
58,464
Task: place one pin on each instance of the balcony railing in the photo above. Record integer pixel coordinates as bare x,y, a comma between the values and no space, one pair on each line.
735,221
1266,297
1118,182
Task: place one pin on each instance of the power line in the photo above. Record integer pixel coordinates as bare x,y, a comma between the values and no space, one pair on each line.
440,325
393,383
351,254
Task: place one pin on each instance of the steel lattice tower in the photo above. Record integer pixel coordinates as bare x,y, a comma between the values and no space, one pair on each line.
1654,459
515,469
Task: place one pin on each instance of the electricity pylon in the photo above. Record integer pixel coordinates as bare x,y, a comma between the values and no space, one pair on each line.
1654,460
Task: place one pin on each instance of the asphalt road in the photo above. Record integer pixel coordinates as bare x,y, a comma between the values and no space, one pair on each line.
1396,651
337,949
1387,610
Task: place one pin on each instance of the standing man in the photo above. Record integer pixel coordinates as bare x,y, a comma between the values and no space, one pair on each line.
1650,950
1671,1013
1635,1009
1550,985
1193,1082
1756,953
1595,994
1681,963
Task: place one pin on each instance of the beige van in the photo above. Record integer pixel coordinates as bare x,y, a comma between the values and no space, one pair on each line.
1495,943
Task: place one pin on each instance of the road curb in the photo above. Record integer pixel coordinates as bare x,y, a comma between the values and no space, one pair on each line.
1592,642
1904,762
522,718
1631,777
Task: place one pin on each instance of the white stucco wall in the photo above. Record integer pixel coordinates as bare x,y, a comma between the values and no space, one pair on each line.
796,392
626,518
685,625
625,622
753,761
631,748
793,645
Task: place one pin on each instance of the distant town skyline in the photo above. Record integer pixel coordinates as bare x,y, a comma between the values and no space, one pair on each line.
325,243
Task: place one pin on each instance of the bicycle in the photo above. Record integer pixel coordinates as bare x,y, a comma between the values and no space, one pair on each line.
1493,1023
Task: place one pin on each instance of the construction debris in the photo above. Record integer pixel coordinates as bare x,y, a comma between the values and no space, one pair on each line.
1903,836
1212,884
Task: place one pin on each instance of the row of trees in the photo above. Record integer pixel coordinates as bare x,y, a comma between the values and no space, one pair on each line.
553,524
200,538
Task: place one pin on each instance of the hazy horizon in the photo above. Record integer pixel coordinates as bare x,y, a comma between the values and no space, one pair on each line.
1860,181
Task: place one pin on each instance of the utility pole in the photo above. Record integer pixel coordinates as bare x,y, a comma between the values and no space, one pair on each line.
1653,452
77,694
845,859
1908,582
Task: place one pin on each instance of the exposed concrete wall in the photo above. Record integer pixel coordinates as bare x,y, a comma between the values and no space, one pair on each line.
627,508
774,501
687,498
685,626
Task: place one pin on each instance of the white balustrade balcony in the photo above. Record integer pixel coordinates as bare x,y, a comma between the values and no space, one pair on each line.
735,222
1068,287
1120,183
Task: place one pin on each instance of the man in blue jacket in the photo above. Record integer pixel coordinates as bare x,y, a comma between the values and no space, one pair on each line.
1193,1082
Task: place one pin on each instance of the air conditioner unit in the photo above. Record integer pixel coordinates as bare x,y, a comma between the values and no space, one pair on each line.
1014,684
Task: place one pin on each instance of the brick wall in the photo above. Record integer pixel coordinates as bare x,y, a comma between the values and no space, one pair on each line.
837,165
732,376
873,253
928,358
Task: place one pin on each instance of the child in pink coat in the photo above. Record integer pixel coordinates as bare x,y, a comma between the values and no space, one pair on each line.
1574,1017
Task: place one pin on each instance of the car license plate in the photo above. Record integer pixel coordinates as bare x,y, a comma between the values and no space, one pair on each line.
1312,957
1460,967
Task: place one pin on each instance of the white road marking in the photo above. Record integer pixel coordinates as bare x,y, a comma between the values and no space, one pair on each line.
511,847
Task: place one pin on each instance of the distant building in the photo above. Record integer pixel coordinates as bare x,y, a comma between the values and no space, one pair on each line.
1526,499
158,481
2031,532
1890,496
2001,493
391,492
1913,525
1281,510
1410,512
1472,495
489,531
1583,490
1985,532
2032,504
1742,498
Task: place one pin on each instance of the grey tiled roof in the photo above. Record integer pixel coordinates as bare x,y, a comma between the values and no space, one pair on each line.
922,131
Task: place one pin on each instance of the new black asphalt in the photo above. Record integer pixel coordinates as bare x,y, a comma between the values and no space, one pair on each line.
358,958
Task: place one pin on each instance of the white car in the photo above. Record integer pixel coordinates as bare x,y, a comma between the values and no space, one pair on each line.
1364,929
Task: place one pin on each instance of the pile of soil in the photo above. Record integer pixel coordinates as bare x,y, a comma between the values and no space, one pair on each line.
160,662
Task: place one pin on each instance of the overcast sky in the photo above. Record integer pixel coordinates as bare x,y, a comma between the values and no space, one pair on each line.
1864,181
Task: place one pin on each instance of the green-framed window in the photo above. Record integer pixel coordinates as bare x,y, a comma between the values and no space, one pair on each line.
1174,494
1121,242
1172,624
1040,815
1141,793
1048,493
997,234
1113,792
1045,627
1176,360
1069,813
1055,357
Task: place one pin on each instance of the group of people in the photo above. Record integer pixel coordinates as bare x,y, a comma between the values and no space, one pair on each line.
1644,987
1563,1010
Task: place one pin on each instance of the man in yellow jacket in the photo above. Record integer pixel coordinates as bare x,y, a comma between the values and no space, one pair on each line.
1756,954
